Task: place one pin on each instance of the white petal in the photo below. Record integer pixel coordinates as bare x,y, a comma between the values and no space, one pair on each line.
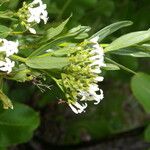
96,70
93,87
99,78
73,109
32,30
99,97
95,39
2,63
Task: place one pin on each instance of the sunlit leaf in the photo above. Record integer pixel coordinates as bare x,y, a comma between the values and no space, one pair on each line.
47,62
129,39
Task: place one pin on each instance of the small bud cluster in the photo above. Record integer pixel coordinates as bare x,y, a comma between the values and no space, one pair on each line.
7,48
33,13
80,78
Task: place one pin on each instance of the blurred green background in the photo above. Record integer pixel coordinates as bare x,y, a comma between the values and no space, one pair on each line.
119,111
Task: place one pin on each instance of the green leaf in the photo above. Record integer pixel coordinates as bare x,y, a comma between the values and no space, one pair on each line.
140,85
134,51
110,29
5,100
129,39
4,31
47,62
147,134
3,1
64,38
52,32
17,126
7,15
111,67
21,74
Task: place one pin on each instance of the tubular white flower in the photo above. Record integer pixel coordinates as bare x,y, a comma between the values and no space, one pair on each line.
99,97
97,61
7,65
36,14
9,47
77,108
81,77
37,1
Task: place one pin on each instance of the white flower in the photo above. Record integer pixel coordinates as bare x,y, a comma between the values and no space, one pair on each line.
37,13
9,47
36,2
95,39
7,65
32,30
78,108
97,61
80,78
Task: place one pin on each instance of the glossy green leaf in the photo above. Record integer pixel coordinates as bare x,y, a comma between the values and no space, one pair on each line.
129,39
110,29
17,126
47,62
140,85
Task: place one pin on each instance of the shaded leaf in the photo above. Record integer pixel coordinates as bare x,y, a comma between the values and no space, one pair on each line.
5,100
147,134
140,85
135,51
17,126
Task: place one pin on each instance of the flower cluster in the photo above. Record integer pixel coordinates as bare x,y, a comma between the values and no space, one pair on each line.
82,75
33,13
7,48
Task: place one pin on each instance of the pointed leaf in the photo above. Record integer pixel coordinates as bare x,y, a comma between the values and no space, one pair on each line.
52,32
110,29
129,39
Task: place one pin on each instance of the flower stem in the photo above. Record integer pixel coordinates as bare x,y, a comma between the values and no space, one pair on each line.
18,58
17,33
104,45
121,66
